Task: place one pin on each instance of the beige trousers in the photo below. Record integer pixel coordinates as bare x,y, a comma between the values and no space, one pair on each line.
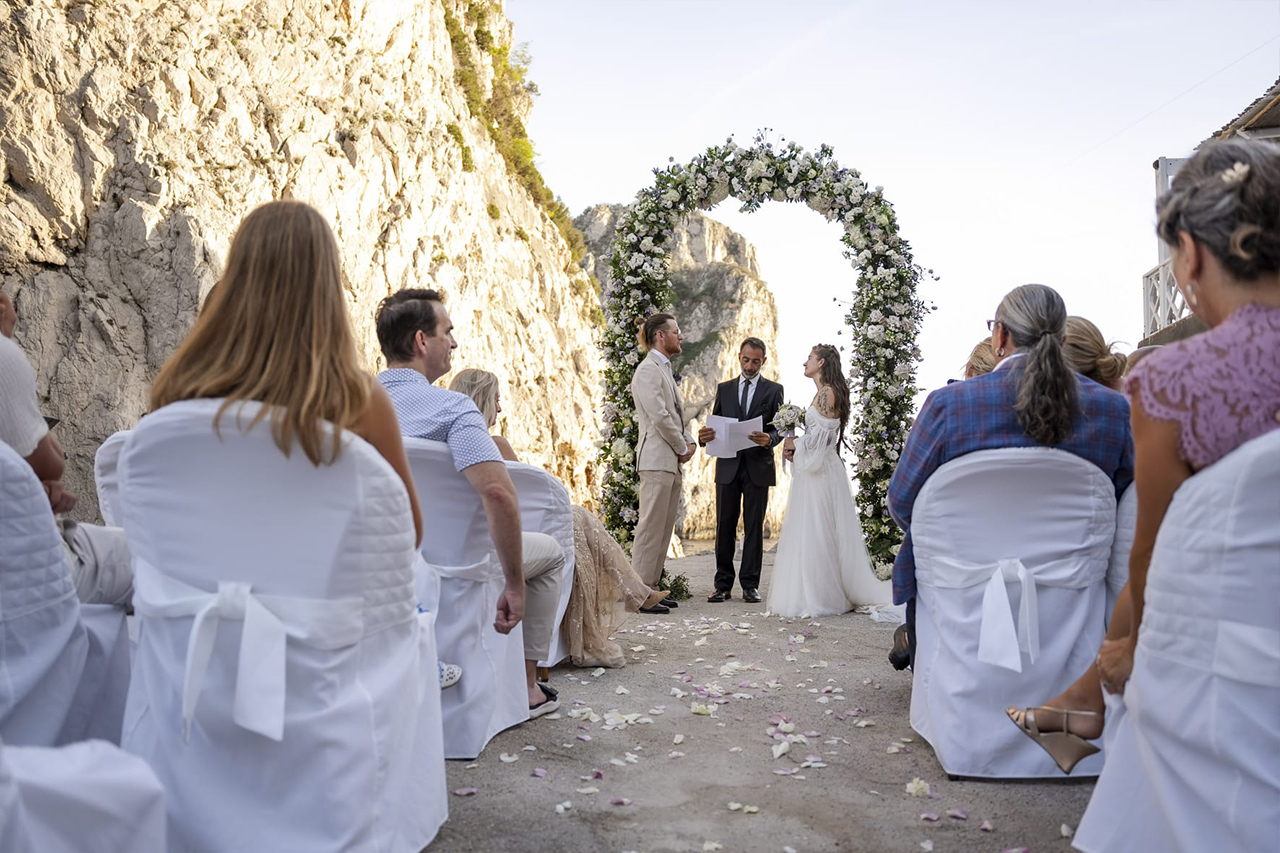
543,560
659,500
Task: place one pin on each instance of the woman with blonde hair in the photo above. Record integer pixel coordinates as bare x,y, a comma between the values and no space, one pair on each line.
319,660
1090,355
981,361
605,587
275,330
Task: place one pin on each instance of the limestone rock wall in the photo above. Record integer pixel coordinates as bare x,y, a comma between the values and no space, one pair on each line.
720,299
135,135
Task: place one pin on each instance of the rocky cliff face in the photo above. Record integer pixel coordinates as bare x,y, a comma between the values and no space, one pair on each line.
135,135
720,299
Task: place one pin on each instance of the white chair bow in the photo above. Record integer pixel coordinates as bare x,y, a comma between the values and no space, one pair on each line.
1001,642
268,620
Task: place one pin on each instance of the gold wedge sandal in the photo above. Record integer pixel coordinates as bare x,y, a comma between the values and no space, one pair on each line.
1066,749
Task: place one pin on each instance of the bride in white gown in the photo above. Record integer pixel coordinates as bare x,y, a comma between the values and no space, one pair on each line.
822,566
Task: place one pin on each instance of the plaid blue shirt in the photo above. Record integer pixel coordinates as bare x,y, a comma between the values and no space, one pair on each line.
977,414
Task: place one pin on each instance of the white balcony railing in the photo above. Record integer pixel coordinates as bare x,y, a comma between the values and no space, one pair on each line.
1162,302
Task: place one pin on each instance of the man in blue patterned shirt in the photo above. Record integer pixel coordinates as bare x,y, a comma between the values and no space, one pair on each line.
416,337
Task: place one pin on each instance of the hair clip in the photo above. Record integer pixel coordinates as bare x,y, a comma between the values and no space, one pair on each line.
1235,174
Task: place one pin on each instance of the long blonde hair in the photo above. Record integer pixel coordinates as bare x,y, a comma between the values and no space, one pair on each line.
275,330
482,387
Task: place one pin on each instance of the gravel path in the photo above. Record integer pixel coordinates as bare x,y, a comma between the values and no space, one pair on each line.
654,775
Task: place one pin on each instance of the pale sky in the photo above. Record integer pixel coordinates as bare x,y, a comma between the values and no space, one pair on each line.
1014,139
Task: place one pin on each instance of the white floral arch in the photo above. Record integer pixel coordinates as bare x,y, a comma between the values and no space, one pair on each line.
884,316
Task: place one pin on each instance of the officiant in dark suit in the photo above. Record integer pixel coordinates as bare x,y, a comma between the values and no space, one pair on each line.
743,481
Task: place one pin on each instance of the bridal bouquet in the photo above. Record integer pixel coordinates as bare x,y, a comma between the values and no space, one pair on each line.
787,420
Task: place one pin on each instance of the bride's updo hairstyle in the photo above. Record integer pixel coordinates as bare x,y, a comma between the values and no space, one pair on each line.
833,377
1090,355
1227,197
1048,395
648,328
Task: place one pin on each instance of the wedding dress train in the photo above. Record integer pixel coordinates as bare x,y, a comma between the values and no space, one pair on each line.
822,565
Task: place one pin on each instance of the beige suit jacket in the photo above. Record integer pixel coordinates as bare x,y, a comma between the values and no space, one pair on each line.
659,416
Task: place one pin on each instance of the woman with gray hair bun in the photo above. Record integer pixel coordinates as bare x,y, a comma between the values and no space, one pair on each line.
1031,399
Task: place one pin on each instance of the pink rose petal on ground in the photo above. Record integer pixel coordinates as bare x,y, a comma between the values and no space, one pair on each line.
539,772
584,738
620,801
597,774
986,826
813,734
464,792
1016,850
929,816
958,814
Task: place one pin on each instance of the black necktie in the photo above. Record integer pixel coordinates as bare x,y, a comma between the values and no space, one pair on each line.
742,404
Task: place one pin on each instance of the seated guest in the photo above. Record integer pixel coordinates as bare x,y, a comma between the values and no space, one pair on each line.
981,360
272,360
1031,399
1090,355
98,556
604,585
416,337
1194,402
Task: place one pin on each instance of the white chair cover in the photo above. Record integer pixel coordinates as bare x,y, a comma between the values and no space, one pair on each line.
280,676
106,478
89,797
1118,567
1011,550
459,555
545,507
1195,762
63,672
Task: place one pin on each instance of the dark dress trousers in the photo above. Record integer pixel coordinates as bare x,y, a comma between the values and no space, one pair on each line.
742,484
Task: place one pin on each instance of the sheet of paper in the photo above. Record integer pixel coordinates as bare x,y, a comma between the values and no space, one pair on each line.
731,435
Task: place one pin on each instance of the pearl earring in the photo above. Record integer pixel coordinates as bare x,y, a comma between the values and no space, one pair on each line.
1190,293
1000,352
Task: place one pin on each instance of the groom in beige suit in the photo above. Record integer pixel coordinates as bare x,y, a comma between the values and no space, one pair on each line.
664,445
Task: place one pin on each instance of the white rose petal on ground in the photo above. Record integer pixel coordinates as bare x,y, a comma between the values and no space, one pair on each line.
926,845
710,846
917,787
561,808
751,810
507,758
464,792
597,672
733,807
1066,831
589,789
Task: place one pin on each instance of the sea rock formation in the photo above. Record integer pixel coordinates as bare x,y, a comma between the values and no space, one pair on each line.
720,299
135,135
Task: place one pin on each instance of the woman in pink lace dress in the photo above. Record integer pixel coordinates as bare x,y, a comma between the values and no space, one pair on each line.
1192,402
1199,399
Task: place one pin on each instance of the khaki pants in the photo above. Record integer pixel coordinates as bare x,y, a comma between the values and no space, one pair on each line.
543,560
659,500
